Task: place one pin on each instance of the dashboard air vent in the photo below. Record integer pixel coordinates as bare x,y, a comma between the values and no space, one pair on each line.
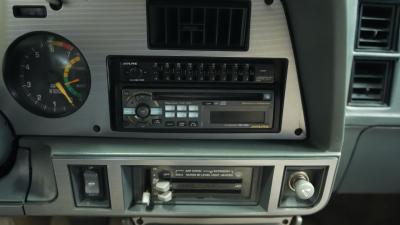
192,24
371,82
377,26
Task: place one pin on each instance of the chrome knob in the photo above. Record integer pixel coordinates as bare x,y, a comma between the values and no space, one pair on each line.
299,182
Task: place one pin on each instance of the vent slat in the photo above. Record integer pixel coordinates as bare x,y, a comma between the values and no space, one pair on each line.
376,18
370,83
191,24
376,26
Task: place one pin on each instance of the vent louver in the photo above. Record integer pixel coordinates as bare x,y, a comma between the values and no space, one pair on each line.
371,82
192,24
377,26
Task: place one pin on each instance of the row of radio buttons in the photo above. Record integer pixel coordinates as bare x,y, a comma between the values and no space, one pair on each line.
181,114
181,108
158,112
181,124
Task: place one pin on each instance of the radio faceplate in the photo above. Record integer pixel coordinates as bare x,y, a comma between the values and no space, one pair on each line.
191,109
196,94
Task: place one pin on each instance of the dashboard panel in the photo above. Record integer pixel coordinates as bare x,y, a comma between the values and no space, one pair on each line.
99,36
167,108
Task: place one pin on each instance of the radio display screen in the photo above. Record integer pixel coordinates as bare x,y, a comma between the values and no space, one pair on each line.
235,117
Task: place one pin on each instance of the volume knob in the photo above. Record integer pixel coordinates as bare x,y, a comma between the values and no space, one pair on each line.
143,111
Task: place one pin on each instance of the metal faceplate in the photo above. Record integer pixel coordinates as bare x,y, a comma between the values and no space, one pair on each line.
103,27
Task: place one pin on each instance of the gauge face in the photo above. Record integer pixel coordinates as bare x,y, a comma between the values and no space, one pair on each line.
47,74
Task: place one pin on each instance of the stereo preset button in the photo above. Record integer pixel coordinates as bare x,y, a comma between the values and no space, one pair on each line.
170,124
169,108
193,124
193,108
181,115
156,111
181,108
129,111
193,114
156,121
181,124
169,114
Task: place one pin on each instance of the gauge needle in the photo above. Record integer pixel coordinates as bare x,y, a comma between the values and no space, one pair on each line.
62,90
72,81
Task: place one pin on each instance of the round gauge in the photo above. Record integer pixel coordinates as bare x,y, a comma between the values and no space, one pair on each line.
46,74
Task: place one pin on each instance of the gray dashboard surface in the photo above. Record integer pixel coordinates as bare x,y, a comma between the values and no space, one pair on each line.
100,28
369,116
367,154
14,186
375,162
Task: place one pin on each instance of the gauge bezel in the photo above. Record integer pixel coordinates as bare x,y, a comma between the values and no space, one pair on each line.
9,75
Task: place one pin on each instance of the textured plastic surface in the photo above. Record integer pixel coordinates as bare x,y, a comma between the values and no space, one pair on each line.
6,140
374,167
14,186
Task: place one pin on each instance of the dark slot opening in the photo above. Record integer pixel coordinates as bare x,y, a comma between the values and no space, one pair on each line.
172,26
158,16
223,26
211,26
201,191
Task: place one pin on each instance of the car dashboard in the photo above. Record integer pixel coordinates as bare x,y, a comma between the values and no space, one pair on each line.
205,112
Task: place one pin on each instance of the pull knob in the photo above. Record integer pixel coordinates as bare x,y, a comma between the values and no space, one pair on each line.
165,197
299,182
163,186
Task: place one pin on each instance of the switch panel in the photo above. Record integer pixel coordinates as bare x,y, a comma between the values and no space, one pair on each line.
90,186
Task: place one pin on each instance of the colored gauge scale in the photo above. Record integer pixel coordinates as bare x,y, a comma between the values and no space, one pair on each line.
47,74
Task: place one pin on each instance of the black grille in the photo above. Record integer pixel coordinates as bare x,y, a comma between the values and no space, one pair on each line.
377,26
192,24
371,82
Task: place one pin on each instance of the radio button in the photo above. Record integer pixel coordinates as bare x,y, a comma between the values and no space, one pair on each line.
170,124
181,108
169,108
129,111
156,111
193,108
181,115
181,124
193,114
170,115
156,122
193,124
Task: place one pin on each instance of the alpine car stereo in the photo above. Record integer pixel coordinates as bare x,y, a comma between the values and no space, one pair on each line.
195,94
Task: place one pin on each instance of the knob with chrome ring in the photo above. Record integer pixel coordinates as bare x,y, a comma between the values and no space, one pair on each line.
299,182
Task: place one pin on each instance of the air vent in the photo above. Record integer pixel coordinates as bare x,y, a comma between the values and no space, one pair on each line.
377,26
193,24
371,82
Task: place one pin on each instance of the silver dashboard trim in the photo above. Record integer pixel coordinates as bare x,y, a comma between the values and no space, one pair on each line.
64,204
103,27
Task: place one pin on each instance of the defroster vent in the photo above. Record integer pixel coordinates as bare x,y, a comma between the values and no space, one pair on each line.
192,24
371,82
377,26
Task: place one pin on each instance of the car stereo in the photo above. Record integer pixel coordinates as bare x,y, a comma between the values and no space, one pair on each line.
196,94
